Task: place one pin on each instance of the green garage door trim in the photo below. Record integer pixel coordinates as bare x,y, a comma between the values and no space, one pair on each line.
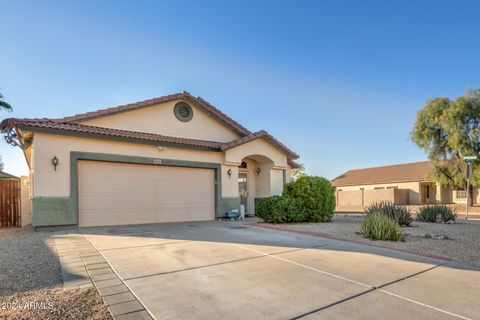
52,211
227,204
56,211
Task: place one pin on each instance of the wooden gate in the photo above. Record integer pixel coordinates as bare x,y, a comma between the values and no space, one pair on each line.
10,203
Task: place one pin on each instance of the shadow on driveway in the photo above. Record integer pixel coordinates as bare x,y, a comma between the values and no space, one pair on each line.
207,270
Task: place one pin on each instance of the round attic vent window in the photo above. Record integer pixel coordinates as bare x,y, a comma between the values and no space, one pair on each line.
183,111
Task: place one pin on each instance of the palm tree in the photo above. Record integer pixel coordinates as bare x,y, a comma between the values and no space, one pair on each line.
4,105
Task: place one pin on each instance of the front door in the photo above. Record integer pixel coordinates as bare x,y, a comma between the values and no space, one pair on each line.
425,194
242,190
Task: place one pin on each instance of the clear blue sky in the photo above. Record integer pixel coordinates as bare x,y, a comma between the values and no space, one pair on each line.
339,82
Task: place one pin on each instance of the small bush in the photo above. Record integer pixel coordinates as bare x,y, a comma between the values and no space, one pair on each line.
316,196
378,226
278,209
436,213
294,209
307,199
399,214
270,210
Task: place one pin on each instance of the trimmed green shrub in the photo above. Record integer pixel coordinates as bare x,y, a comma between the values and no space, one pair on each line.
294,209
270,210
399,214
378,226
316,196
278,209
436,213
308,199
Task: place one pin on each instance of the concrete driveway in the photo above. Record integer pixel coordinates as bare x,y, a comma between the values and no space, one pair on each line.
232,270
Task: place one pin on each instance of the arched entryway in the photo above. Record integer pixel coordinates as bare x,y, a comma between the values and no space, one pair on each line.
254,181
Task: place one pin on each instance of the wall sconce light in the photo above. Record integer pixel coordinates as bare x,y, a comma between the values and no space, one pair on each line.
258,171
162,148
229,172
55,162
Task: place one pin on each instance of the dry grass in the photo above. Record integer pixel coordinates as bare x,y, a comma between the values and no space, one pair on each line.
55,303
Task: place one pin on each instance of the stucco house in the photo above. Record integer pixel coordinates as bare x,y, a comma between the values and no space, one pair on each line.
403,184
173,158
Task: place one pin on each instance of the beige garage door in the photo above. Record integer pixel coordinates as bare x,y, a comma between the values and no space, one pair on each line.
111,193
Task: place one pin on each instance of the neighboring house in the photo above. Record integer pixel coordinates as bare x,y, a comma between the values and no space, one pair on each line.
403,184
174,158
7,176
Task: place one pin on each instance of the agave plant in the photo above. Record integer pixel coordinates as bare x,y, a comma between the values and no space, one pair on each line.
378,226
436,213
399,214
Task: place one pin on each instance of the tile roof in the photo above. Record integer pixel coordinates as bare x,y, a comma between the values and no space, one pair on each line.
146,103
255,135
87,129
73,124
293,164
4,176
416,171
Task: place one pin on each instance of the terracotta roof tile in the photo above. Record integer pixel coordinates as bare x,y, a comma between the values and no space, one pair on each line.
141,104
220,114
5,175
293,164
71,124
78,128
416,171
255,135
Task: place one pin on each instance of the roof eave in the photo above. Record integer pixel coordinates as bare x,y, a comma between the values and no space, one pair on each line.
237,127
4,175
380,182
206,106
291,154
293,164
258,135
114,137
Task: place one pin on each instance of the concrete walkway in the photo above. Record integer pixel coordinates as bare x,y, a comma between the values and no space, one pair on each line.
83,266
230,270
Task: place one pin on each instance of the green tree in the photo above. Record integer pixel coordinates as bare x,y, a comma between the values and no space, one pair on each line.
298,172
448,130
4,105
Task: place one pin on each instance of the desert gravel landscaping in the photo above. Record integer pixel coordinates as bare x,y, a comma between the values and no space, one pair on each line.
30,273
462,245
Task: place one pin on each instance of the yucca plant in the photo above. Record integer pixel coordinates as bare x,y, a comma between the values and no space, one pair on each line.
436,213
399,214
378,226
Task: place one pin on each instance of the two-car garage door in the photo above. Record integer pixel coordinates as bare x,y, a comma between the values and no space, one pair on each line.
111,193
